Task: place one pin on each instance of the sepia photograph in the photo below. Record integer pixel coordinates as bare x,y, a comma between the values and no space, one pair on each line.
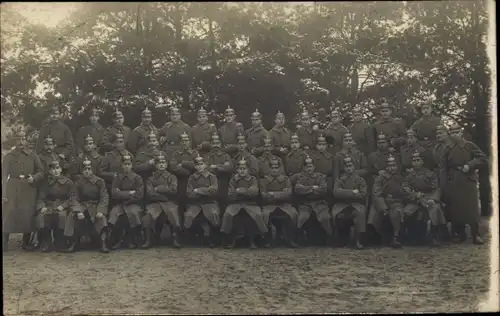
249,157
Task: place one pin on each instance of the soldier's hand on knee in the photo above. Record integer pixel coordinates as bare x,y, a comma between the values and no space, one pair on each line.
385,212
62,156
60,208
355,191
466,168
80,216
43,210
99,215
31,179
151,161
131,192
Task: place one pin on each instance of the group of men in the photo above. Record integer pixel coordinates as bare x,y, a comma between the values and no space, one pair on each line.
129,188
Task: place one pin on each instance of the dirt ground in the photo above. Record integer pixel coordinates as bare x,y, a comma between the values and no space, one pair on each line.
194,280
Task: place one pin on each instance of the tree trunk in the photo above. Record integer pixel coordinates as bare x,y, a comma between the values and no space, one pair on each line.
181,54
213,63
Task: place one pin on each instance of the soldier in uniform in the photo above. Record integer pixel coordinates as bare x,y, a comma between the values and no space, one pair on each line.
323,162
201,192
139,136
307,134
161,207
243,154
256,134
280,137
95,130
350,191
22,170
442,139
111,131
426,127
113,161
377,160
311,190
48,155
334,133
362,132
394,129
276,193
88,152
422,186
170,133
229,132
89,210
388,200
145,163
295,158
266,157
61,136
202,132
128,191
357,158
220,164
55,197
243,194
459,164
406,151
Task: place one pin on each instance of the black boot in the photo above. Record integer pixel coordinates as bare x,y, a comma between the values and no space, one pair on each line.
148,236
476,238
268,238
46,237
104,240
253,246
230,241
175,238
358,245
395,242
435,236
212,238
26,242
290,233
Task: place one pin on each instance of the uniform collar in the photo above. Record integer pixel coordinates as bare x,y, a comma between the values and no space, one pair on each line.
61,180
204,174
92,179
94,154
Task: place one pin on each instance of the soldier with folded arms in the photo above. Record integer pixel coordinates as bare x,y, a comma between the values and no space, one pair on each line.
139,136
255,135
88,152
170,133
110,133
202,132
95,130
229,132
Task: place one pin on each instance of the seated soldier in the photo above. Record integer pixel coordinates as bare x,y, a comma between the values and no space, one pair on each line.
295,158
388,197
145,158
48,155
406,151
323,163
243,194
113,160
127,191
350,193
276,192
265,158
161,208
244,154
310,189
202,206
55,197
89,210
424,198
90,153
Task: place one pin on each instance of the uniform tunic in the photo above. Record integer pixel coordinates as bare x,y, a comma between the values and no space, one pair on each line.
96,162
393,129
170,135
204,201
462,187
139,137
95,131
252,162
358,158
229,136
142,166
255,139
362,134
406,152
18,213
201,135
184,157
113,165
126,204
106,142
91,197
334,135
377,161
312,201
161,191
281,187
264,164
324,163
246,200
61,136
307,137
295,161
52,194
426,128
280,137
223,171
47,159
346,200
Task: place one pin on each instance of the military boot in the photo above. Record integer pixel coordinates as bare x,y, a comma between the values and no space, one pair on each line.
253,246
358,245
476,238
46,240
104,241
73,244
230,241
435,236
26,243
395,242
268,238
289,232
175,238
148,234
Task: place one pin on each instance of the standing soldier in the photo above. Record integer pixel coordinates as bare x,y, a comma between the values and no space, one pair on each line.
362,132
202,132
145,160
266,157
256,134
280,137
88,216
350,192
334,133
55,197
323,162
276,192
21,171
243,154
307,134
89,152
220,164
243,194
116,128
48,155
426,127
295,158
170,133
442,139
357,158
201,192
422,186
377,160
388,196
311,191
139,136
128,191
459,164
406,151
95,130
113,161
393,129
161,208
229,132
61,136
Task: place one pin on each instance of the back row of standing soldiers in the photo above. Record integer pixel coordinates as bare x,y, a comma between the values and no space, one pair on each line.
386,161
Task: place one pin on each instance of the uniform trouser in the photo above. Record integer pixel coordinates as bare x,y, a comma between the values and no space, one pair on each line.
434,213
133,212
86,226
288,209
53,220
209,211
155,210
322,214
358,215
395,214
254,211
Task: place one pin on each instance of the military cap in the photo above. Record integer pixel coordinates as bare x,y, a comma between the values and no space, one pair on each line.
215,136
160,158
48,140
336,112
391,159
356,109
348,160
294,136
54,164
199,160
280,114
242,163
86,163
416,155
410,132
381,137
126,158
321,139
308,160
241,138
146,111
184,136
151,136
455,127
88,139
274,162
229,111
385,105
347,136
256,113
202,111
174,110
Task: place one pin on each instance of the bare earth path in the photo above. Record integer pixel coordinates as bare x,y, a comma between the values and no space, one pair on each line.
195,280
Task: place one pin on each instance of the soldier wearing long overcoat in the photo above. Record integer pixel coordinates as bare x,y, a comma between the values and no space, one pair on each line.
95,130
243,154
161,205
280,137
89,210
308,134
276,193
357,157
394,129
117,128
201,133
324,163
388,200
22,170
255,135
350,192
229,132
127,191
55,198
334,133
426,127
201,192
362,132
139,136
266,157
88,152
170,133
243,194
459,164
